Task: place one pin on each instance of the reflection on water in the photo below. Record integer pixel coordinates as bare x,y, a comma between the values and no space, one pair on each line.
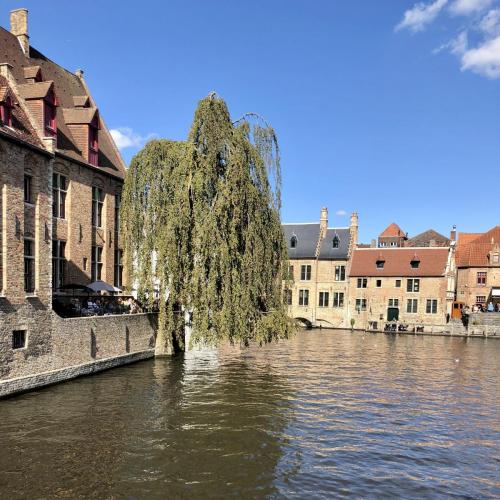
326,414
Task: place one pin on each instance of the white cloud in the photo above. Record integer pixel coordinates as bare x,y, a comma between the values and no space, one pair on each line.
467,7
125,137
420,15
484,60
490,23
341,213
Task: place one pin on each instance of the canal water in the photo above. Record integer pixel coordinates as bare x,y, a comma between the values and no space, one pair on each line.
327,414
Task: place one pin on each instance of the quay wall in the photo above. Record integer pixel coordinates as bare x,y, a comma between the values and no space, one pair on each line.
59,349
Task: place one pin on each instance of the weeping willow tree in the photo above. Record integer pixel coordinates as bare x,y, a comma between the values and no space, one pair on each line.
201,225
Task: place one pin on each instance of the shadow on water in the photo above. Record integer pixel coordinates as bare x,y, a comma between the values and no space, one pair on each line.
191,426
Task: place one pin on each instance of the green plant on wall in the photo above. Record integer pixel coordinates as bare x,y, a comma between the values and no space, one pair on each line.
201,225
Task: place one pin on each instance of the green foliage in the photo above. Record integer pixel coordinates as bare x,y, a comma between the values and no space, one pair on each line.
208,212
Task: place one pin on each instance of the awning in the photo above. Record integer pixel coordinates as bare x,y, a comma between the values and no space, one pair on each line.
495,292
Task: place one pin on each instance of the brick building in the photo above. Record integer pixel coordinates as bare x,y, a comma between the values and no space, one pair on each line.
319,255
478,267
412,285
61,176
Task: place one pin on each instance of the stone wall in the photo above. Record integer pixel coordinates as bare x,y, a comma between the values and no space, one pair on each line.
74,346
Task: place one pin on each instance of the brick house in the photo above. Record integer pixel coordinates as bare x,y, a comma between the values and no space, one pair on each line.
318,269
61,177
478,267
412,285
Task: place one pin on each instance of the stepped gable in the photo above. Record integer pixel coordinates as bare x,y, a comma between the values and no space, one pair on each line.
328,251
21,127
307,237
424,239
397,262
67,87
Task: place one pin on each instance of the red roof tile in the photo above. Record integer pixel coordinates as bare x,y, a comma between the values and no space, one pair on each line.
397,262
392,231
473,248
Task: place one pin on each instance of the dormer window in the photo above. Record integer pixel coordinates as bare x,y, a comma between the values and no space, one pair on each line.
49,114
415,263
380,264
293,242
94,142
6,112
335,242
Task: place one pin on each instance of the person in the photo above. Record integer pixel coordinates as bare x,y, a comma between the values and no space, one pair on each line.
497,307
465,316
490,307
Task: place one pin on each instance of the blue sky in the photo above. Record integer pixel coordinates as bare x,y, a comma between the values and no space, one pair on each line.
390,109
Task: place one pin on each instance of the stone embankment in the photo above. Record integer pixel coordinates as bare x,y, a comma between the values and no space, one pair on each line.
74,347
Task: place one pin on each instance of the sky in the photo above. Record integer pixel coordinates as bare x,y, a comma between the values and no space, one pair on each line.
387,108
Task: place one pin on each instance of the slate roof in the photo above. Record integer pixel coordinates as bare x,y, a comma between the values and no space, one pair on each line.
473,249
433,262
327,251
66,86
424,239
307,240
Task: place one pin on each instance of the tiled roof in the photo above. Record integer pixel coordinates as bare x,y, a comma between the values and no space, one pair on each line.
392,231
327,251
21,127
473,248
66,86
424,239
79,115
432,262
38,90
307,240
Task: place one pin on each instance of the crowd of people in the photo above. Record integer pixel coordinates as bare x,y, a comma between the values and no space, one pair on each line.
73,307
478,308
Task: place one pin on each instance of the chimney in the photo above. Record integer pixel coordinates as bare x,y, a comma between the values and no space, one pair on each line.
373,243
432,243
19,28
323,220
453,233
353,229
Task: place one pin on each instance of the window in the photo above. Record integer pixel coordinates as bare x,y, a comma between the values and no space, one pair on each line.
96,263
481,279
339,273
58,263
303,297
379,283
305,273
398,284
293,242
287,297
290,273
118,268
28,189
393,302
360,305
481,299
49,114
393,243
413,285
338,299
59,191
431,306
18,339
415,264
93,144
97,204
324,299
29,266
6,112
362,282
118,201
335,242
380,264
412,306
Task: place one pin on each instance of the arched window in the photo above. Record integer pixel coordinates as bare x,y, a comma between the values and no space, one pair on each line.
335,241
293,242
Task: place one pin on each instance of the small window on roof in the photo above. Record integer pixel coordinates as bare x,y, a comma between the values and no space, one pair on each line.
293,242
380,264
415,263
335,242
